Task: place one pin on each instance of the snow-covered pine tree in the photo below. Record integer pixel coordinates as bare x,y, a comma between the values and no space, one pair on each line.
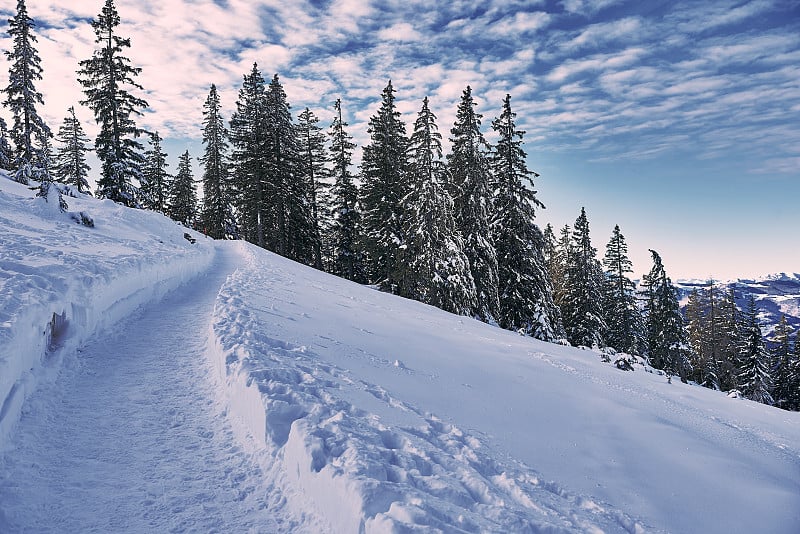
704,365
550,243
107,79
433,267
525,295
217,217
754,373
557,264
711,380
582,306
248,134
730,341
385,183
292,232
665,334
794,375
47,158
28,129
347,259
70,160
47,190
183,194
781,368
6,154
313,171
156,183
625,330
471,188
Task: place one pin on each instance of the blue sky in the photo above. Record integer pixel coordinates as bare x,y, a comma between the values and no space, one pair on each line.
679,121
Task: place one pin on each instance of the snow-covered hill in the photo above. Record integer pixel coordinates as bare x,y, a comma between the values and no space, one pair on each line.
356,411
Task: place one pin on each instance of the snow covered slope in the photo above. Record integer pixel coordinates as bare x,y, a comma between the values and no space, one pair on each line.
392,415
364,412
61,281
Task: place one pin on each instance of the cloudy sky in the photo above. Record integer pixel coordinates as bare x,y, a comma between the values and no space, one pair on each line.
679,121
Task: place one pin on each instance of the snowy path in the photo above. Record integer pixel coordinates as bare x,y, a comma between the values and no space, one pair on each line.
129,437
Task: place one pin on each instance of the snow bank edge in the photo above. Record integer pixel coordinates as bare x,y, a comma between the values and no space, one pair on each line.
46,332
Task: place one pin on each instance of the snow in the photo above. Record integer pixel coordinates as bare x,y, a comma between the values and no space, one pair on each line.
51,265
140,443
219,387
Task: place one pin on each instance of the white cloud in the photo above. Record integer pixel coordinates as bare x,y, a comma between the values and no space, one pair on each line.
696,18
520,23
587,7
601,62
595,35
402,32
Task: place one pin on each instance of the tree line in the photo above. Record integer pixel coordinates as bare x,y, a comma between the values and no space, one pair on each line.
456,231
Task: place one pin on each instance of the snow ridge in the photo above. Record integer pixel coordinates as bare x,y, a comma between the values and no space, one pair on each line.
361,473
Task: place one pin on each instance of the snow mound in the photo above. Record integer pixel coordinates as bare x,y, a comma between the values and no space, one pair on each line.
61,281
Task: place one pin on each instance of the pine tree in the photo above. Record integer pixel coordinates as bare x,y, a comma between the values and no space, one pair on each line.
156,182
794,375
557,264
183,195
550,244
70,161
470,187
385,183
433,267
666,337
248,135
625,331
105,78
347,258
29,129
312,171
525,295
754,374
704,364
712,321
46,158
6,155
729,342
47,189
292,233
218,221
582,309
781,368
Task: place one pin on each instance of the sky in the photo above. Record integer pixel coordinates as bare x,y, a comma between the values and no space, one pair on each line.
679,121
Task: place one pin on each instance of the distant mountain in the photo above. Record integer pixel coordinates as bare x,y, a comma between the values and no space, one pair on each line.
775,295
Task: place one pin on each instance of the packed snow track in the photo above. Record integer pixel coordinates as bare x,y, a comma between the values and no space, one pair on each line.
129,436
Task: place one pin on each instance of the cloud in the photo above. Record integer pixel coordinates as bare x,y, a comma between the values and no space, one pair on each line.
587,7
402,31
697,18
597,35
520,23
599,62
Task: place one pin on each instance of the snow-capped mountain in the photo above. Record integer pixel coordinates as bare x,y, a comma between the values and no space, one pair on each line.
776,295
149,384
